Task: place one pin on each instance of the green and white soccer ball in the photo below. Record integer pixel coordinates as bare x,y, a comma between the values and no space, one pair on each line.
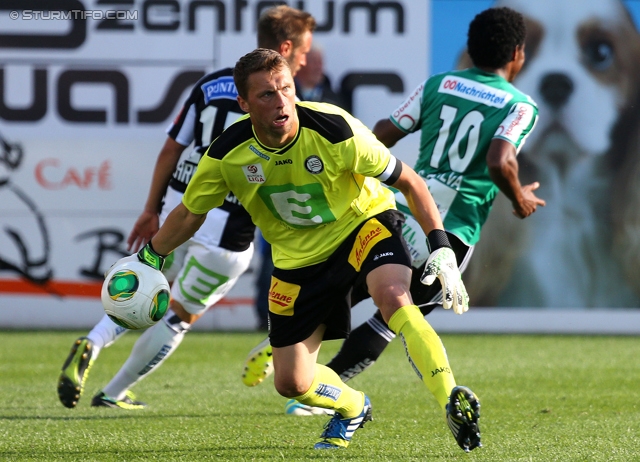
134,295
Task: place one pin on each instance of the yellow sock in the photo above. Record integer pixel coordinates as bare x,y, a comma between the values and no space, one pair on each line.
328,391
425,351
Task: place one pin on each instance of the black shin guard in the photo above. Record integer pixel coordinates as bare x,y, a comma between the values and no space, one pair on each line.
359,351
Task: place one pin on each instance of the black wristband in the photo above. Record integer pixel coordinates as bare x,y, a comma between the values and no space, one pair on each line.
437,239
149,256
158,253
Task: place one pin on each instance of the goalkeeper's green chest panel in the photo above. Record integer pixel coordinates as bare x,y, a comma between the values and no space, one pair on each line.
305,197
459,114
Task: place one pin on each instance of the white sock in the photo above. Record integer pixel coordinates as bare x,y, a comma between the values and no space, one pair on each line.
104,334
153,347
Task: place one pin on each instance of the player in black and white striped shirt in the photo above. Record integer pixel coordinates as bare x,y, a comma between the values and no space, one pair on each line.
209,264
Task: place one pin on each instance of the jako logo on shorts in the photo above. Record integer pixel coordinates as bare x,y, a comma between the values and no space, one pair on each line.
369,235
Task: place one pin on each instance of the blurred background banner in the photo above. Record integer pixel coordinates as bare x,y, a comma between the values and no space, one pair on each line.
88,87
583,249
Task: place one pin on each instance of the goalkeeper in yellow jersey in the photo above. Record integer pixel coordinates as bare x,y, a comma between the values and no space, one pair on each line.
310,174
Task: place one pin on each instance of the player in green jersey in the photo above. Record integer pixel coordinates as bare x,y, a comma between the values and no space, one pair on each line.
310,174
473,122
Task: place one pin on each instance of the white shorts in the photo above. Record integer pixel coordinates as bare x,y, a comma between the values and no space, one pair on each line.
200,272
414,236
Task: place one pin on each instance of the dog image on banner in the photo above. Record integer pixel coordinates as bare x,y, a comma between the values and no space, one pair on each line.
583,249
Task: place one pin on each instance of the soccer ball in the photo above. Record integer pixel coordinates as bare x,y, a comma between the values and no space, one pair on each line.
134,295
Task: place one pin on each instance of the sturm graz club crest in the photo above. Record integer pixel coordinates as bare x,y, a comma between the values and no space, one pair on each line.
314,165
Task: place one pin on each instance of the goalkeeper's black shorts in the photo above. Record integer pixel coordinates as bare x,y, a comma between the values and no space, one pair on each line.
301,299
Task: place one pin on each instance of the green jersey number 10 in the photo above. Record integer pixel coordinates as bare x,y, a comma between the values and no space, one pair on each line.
468,127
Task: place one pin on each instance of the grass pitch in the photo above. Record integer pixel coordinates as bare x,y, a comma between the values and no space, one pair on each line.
544,398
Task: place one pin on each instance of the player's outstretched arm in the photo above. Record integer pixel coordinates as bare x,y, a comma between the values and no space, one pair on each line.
179,226
503,169
177,229
147,223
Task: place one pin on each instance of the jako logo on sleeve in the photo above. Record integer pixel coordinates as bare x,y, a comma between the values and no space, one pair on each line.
474,91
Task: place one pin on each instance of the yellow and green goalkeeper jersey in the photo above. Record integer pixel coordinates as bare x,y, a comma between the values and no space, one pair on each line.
305,197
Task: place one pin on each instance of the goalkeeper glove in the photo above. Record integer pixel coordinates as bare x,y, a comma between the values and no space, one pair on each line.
150,257
146,255
442,264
